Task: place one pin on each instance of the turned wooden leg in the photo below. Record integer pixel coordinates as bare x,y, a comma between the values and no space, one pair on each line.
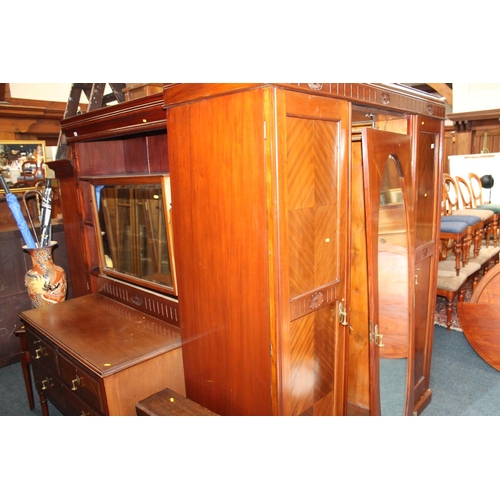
466,250
478,235
458,251
449,310
43,404
475,283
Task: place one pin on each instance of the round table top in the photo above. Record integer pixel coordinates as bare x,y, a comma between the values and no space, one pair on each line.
480,318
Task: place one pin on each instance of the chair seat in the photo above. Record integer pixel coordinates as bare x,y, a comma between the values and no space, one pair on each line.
483,214
447,266
470,220
447,278
488,206
449,282
453,226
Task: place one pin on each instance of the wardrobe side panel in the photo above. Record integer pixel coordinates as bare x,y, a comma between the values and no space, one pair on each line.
219,214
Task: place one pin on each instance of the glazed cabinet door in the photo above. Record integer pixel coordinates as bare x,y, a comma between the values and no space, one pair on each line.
402,175
312,181
389,240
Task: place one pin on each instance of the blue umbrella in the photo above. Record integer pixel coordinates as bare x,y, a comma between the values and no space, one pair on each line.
15,208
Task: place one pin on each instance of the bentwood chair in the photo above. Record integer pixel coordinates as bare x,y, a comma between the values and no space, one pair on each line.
476,189
474,222
30,174
453,206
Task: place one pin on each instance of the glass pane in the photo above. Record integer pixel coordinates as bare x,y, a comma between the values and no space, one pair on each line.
133,231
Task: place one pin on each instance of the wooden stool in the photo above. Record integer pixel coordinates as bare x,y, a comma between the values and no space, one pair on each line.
168,403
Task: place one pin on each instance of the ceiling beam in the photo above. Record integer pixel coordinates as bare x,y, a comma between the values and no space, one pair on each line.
444,90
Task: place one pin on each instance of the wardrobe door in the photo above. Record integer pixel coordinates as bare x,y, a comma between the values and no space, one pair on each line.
388,206
427,136
313,176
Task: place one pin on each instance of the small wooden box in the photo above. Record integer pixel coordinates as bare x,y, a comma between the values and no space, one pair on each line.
135,90
168,403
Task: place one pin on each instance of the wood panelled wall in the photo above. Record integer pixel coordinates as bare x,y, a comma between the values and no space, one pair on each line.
472,133
29,119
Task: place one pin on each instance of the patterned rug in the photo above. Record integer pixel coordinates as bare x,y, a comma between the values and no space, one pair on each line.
440,313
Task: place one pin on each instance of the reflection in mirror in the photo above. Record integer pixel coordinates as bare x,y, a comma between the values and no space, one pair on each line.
135,231
393,289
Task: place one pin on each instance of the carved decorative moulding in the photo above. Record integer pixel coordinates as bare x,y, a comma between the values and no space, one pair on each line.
316,300
388,95
392,96
385,98
312,301
315,86
154,304
424,251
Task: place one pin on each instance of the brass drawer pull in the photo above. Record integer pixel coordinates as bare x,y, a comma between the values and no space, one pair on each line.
46,383
39,353
75,382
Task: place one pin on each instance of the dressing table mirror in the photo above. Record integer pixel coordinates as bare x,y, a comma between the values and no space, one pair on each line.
133,225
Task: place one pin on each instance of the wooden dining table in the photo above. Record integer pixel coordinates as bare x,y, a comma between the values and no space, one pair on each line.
480,318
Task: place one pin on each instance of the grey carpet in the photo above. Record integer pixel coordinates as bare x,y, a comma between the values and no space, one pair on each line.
462,383
13,399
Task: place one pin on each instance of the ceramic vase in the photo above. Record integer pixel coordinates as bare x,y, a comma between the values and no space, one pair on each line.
45,281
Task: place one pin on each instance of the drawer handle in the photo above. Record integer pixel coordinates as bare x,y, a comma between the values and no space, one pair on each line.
46,383
75,382
39,353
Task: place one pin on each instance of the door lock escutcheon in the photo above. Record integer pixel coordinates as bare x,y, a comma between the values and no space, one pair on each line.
343,315
375,336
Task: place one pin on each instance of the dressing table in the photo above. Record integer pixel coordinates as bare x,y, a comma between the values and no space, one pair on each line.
94,355
118,340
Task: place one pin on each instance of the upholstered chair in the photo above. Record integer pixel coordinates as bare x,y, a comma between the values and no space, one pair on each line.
453,205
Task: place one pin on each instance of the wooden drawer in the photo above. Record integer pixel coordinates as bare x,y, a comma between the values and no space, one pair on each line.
81,382
41,352
63,398
75,406
44,379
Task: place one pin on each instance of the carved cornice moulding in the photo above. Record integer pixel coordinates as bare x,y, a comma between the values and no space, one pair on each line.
382,95
136,116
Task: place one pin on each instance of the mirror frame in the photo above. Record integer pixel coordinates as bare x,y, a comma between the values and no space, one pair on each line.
164,181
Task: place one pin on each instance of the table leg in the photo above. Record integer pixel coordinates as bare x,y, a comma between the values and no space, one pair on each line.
44,405
25,365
